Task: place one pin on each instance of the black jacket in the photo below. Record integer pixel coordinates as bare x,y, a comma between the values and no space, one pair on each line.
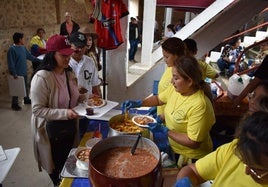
63,30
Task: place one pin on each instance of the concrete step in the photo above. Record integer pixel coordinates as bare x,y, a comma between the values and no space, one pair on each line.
138,69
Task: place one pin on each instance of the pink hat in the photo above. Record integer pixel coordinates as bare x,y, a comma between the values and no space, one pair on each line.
60,44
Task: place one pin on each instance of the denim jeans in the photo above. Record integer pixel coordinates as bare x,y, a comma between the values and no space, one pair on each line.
133,48
222,64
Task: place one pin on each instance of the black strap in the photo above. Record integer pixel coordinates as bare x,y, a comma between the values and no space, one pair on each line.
68,87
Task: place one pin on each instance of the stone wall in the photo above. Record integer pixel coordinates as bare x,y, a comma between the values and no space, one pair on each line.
28,15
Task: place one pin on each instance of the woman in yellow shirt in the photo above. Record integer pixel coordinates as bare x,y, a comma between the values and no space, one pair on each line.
243,162
188,113
172,49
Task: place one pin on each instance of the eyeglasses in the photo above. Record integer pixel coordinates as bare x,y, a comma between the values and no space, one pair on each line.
259,176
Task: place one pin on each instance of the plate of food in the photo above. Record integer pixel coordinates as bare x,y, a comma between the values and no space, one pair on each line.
96,102
143,120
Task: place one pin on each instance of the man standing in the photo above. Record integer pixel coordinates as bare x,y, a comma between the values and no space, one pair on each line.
133,39
85,71
17,56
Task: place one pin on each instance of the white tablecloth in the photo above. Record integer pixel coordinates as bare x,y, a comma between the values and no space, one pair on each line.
5,165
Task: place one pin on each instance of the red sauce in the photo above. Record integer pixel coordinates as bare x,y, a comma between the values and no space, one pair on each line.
118,162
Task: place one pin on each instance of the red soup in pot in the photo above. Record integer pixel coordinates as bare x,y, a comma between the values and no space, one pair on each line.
118,162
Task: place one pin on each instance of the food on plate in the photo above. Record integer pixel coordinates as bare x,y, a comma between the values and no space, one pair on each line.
126,126
90,111
83,155
118,162
143,120
96,101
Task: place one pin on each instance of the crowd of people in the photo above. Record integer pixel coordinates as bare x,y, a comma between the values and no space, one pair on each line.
187,115
183,104
65,73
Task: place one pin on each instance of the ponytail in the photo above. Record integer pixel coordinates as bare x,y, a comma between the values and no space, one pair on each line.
207,91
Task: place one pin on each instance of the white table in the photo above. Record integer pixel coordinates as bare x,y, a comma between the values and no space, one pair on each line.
5,165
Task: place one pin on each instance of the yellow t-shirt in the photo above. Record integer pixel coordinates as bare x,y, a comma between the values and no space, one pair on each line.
193,115
38,41
207,70
164,82
225,168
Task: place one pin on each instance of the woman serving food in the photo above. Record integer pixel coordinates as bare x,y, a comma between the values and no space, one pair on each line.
188,113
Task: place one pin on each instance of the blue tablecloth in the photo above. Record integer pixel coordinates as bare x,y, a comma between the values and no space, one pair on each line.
95,125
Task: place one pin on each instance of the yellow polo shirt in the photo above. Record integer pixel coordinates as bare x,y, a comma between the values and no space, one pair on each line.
164,83
193,115
225,168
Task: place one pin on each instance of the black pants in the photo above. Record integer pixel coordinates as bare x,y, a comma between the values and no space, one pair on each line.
61,135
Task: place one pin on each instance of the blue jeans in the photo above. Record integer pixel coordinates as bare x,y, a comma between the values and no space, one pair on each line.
222,64
133,48
250,62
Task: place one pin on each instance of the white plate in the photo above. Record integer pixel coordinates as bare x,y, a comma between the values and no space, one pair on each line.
98,112
97,106
80,110
143,116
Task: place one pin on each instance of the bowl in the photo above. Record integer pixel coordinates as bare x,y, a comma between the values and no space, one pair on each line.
143,120
82,157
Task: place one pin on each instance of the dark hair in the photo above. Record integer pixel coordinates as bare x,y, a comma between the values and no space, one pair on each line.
191,45
17,36
93,48
174,46
252,136
233,41
262,102
40,29
189,68
49,63
264,85
172,27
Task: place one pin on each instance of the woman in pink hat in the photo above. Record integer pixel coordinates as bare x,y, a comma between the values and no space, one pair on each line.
54,93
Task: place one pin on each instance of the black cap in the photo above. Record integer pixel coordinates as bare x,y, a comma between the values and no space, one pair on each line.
78,39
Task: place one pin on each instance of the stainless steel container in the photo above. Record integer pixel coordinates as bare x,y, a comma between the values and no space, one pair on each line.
119,119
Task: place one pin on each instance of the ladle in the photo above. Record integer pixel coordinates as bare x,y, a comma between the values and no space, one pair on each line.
136,144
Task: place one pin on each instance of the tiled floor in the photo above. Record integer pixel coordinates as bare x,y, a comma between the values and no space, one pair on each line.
15,132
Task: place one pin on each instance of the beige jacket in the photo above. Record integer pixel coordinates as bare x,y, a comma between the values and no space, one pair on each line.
44,96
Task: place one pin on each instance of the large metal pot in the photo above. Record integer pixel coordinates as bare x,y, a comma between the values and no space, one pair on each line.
151,179
119,119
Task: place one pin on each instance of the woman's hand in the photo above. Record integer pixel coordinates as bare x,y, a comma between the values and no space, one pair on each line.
72,114
125,106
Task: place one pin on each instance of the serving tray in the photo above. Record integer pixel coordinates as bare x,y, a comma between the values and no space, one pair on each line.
70,169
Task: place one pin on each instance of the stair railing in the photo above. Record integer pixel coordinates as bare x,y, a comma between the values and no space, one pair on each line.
241,55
